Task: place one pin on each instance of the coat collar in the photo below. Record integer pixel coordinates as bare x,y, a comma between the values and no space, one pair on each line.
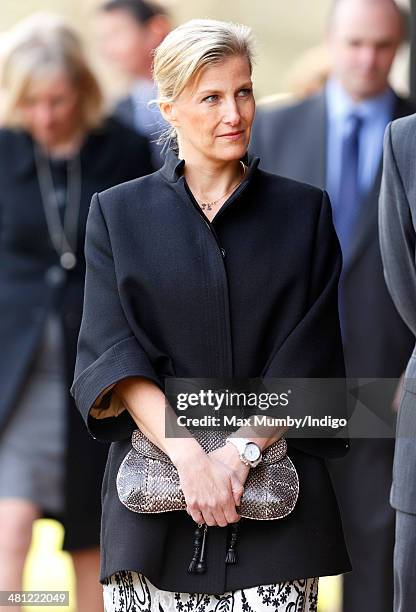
172,169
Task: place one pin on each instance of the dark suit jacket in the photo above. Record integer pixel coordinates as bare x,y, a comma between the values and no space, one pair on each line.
169,294
397,239
110,155
292,141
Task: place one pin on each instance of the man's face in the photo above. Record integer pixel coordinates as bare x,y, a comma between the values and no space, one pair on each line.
125,43
363,39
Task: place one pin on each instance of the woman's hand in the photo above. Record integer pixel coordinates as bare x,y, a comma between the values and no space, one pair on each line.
228,455
212,487
213,483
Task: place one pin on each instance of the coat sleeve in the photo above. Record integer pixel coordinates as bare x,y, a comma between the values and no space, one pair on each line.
313,348
397,236
107,350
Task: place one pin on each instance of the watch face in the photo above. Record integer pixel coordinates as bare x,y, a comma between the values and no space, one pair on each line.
252,451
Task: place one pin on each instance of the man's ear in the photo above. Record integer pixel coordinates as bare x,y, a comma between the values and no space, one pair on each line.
168,112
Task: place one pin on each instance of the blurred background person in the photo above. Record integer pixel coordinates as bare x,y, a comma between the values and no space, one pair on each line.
56,151
334,140
128,33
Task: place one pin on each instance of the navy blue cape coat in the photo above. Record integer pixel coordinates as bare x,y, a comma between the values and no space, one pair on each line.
251,294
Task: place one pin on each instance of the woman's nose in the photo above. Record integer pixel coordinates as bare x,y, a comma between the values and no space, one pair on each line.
232,114
44,116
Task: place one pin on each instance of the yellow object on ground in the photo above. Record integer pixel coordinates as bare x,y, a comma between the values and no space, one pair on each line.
48,568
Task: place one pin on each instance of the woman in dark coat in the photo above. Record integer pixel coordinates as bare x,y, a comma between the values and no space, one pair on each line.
55,153
209,268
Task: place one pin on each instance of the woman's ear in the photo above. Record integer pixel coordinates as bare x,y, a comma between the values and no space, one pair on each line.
168,112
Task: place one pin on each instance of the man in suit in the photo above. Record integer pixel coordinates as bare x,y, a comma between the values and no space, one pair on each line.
129,32
397,216
334,140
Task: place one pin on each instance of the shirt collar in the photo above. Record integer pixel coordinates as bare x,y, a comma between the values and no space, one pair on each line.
172,169
340,104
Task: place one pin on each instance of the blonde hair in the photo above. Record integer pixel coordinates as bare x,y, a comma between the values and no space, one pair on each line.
190,48
37,47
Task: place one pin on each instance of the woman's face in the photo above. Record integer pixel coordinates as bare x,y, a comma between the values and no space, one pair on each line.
213,115
50,109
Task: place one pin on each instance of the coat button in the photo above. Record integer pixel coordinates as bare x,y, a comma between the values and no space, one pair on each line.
223,252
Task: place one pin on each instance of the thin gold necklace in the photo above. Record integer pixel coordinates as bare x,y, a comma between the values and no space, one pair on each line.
209,205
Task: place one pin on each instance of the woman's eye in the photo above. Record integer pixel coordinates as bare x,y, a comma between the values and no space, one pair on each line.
211,98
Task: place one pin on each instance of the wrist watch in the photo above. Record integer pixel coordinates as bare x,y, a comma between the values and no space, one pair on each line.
250,452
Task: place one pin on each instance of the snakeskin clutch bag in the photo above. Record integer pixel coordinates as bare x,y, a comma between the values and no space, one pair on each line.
147,481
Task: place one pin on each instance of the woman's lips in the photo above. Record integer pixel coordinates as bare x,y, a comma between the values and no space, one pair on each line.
232,135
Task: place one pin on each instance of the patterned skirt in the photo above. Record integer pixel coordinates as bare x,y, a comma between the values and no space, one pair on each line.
131,591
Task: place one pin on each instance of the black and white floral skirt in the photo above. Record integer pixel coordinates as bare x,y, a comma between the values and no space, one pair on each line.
128,591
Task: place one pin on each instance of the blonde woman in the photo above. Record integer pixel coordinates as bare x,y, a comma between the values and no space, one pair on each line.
209,268
56,150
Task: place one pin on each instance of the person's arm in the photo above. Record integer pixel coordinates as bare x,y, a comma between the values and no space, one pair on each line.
260,435
397,233
212,488
263,436
107,349
313,348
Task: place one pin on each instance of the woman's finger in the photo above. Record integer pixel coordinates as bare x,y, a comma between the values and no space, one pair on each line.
237,489
199,518
195,514
209,518
231,514
219,517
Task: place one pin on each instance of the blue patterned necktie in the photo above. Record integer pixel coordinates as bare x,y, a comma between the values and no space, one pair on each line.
348,200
